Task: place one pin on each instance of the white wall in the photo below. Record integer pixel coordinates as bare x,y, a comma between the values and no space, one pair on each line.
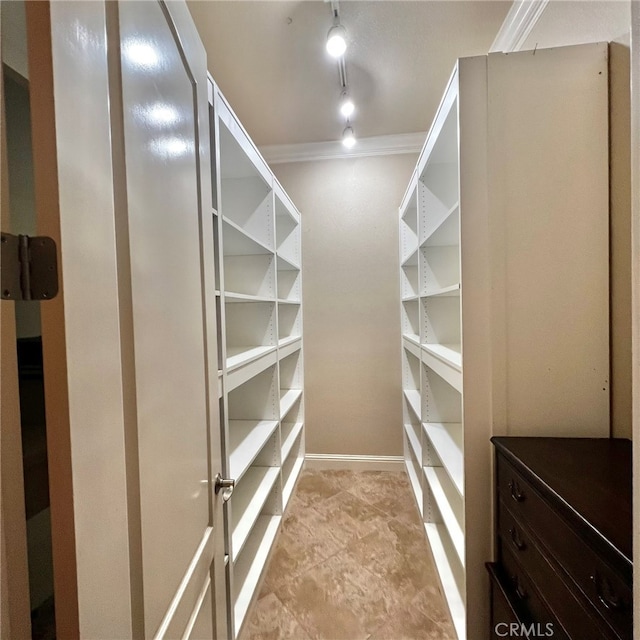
351,294
564,23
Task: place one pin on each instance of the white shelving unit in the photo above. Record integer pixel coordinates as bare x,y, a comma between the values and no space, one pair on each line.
504,290
260,377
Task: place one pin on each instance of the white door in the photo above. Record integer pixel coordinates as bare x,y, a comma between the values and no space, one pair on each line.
123,182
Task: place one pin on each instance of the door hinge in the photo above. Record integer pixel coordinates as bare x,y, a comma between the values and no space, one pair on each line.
28,268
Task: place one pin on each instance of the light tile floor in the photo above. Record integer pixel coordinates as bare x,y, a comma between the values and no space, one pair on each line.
351,563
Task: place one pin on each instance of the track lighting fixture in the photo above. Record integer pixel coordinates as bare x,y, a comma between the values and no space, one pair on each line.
337,40
346,105
348,137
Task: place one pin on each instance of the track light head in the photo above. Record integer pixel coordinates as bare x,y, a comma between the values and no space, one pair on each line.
348,137
337,41
346,105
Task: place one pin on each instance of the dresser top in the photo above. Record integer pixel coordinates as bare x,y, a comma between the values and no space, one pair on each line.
590,477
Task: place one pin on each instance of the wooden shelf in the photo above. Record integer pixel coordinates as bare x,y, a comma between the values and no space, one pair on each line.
437,480
451,577
413,398
449,354
247,501
447,441
247,438
288,398
251,562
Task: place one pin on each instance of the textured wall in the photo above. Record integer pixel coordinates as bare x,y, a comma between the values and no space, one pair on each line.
349,213
565,23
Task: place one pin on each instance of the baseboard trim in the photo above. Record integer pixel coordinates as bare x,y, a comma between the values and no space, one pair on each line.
325,461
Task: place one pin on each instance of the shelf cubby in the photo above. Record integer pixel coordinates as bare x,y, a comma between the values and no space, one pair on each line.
444,447
287,234
289,321
439,269
441,402
451,574
442,504
289,281
247,502
292,466
410,320
289,432
409,281
412,432
246,198
249,565
250,330
440,320
413,471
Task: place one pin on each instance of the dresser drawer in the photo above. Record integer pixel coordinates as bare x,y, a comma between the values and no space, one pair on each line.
503,611
601,585
525,597
576,615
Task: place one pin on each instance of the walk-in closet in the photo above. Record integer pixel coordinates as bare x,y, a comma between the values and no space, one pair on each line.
319,319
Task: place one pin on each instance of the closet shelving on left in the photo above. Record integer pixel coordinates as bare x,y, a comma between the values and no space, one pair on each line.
260,368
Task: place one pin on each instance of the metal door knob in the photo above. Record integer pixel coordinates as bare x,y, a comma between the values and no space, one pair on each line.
226,484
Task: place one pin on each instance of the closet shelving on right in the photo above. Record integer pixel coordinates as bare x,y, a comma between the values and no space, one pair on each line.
504,269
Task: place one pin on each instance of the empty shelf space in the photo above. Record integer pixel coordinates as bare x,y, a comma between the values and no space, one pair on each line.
251,562
288,397
289,321
237,242
414,441
289,433
413,398
453,290
247,437
411,259
247,501
237,356
437,479
290,480
447,441
287,264
451,576
444,230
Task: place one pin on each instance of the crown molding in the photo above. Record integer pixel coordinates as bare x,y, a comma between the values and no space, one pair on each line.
365,147
518,24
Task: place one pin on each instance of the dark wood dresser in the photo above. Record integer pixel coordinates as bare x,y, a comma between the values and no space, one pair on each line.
563,538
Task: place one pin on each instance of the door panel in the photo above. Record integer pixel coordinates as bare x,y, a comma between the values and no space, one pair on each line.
133,171
161,155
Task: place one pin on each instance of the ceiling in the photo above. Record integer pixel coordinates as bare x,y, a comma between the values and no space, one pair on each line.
269,60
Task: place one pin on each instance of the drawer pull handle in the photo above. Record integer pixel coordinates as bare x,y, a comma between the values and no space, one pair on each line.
516,492
607,596
518,542
520,592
